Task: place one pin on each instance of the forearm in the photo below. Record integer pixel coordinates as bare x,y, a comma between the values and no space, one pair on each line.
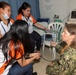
40,26
28,61
23,62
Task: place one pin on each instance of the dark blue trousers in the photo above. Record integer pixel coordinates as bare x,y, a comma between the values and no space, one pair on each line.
35,41
16,69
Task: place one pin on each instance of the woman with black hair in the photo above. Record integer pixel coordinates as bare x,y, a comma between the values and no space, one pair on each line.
24,13
15,56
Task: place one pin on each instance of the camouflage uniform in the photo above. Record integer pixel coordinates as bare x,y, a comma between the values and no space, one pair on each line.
66,65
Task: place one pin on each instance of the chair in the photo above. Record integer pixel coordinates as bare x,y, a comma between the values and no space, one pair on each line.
55,29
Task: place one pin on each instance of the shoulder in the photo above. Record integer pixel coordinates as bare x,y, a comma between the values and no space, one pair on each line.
31,16
11,20
16,51
60,46
18,44
19,17
71,50
34,20
70,53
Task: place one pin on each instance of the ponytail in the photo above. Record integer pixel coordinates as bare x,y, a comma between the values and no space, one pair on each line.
20,10
24,6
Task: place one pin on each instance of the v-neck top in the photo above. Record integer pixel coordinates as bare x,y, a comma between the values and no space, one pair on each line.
4,28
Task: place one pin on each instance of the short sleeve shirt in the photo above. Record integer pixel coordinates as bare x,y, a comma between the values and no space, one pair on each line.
4,28
15,54
31,20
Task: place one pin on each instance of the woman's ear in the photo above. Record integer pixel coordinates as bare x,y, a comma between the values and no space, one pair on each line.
23,10
1,10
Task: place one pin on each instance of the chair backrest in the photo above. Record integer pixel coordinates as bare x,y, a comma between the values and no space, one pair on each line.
56,27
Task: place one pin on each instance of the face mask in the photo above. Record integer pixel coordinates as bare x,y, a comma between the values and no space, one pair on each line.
5,16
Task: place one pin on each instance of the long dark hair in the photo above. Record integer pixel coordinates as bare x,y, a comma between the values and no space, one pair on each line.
23,7
17,33
71,28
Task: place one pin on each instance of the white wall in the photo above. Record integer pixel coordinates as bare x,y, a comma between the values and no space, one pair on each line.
48,8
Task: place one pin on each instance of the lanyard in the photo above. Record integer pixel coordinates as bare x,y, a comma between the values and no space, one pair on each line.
28,21
3,28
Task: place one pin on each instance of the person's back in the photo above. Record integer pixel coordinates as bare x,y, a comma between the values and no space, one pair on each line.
16,58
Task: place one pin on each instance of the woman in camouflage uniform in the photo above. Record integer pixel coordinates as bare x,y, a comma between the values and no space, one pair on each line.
66,65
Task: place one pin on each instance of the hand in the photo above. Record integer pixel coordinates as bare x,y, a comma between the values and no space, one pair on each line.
46,29
53,44
36,55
